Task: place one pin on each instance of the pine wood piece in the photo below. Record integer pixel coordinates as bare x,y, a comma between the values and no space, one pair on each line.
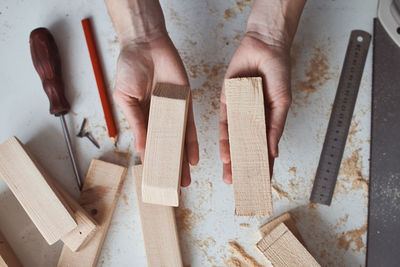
285,218
99,196
86,225
159,229
45,206
248,146
164,144
7,255
283,249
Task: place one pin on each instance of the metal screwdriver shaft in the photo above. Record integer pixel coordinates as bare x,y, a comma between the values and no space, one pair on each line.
71,152
46,60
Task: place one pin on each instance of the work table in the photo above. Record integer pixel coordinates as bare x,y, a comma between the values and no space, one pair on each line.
206,34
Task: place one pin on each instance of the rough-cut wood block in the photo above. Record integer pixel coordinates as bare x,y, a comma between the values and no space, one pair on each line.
283,249
86,225
30,186
99,197
159,229
164,144
7,255
287,220
248,146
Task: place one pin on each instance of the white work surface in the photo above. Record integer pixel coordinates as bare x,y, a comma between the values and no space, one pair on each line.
206,36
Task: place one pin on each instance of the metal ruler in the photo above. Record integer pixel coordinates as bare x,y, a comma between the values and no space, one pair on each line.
339,122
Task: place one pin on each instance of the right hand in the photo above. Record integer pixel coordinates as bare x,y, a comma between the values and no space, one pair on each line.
140,67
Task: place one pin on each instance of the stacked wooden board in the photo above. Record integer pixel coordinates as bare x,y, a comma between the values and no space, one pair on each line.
99,196
55,214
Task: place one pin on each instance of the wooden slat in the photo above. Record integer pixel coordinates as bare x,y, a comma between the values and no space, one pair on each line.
287,220
283,249
99,197
248,146
159,229
7,255
86,225
164,144
45,207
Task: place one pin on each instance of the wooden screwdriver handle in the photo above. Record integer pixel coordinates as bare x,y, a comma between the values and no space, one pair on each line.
46,60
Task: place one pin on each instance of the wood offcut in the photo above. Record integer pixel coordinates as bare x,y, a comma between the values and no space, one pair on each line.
285,218
164,144
283,249
99,196
159,229
44,205
248,146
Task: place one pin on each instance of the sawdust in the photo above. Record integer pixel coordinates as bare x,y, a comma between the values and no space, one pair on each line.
281,193
353,131
229,13
344,219
241,5
351,169
203,246
241,257
244,225
353,236
220,25
186,219
293,171
317,72
313,205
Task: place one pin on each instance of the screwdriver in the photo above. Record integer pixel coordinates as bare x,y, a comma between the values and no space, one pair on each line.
47,63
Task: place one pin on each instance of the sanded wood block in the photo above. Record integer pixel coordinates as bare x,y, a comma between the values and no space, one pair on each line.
86,225
164,144
283,249
288,221
45,206
7,255
159,229
99,196
248,146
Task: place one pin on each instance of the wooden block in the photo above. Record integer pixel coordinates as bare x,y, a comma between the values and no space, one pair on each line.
248,146
283,249
99,196
86,225
160,234
288,221
30,186
7,255
164,144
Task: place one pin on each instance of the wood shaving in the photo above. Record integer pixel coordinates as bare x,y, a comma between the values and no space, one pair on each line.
240,256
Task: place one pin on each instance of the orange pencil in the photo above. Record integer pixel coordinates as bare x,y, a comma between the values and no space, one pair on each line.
98,73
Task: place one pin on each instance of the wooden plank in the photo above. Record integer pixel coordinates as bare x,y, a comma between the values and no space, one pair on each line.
159,229
248,146
164,144
7,255
283,249
86,225
99,196
30,186
288,221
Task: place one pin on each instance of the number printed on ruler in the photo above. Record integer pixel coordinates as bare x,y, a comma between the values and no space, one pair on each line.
339,122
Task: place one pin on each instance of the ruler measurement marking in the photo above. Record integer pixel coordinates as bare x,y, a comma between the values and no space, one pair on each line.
340,120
